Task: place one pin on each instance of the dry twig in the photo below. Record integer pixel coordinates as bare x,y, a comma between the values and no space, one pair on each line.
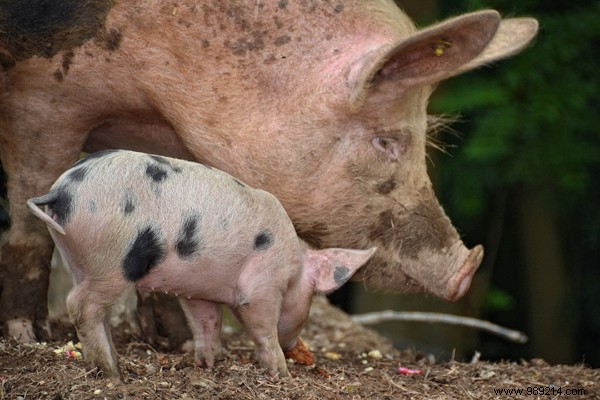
389,315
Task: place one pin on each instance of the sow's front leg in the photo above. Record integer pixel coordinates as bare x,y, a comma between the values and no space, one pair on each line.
24,276
25,254
204,318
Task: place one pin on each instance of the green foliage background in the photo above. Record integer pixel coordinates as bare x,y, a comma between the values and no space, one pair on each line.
535,120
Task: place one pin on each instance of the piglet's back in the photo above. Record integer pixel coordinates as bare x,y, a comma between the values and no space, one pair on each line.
188,206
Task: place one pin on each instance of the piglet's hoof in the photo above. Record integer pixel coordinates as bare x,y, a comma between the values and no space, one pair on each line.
301,354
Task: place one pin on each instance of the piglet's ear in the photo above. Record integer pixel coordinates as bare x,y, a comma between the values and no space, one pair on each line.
425,57
330,268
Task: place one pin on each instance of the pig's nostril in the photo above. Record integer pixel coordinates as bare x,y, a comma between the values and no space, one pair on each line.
459,286
464,286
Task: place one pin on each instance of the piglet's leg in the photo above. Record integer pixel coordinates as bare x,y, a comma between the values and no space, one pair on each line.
204,318
260,318
89,308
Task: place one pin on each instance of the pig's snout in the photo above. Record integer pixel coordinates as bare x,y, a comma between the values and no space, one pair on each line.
459,284
446,273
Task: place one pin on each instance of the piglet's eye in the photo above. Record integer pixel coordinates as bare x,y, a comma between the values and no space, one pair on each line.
387,146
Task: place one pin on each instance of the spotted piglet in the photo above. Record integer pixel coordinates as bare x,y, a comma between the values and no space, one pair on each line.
122,219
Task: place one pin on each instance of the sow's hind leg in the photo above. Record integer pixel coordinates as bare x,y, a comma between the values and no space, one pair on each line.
89,304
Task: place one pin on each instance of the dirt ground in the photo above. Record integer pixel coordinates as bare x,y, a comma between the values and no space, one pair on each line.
351,362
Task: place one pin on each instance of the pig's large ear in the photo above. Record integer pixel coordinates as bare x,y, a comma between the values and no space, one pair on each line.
330,268
436,53
512,36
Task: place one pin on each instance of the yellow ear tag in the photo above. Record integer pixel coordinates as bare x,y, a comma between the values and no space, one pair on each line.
440,47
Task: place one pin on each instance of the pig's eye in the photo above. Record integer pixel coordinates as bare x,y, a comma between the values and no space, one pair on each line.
387,146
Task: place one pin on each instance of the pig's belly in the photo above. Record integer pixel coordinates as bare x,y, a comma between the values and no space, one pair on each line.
149,134
201,280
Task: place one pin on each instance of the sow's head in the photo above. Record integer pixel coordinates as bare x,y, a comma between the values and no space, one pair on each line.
371,186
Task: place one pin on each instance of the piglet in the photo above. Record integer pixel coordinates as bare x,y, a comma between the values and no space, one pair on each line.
122,219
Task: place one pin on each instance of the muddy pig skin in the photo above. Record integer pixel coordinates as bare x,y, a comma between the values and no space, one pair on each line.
122,219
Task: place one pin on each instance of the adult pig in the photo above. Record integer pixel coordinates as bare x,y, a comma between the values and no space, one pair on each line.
322,103
125,218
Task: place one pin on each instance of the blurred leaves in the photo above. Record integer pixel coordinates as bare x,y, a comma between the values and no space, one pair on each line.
533,119
498,300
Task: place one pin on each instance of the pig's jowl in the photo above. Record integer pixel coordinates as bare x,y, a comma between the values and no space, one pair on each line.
323,104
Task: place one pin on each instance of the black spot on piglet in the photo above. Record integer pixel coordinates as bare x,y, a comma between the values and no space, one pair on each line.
188,241
263,240
341,275
62,206
156,172
128,202
145,253
165,161
77,174
60,203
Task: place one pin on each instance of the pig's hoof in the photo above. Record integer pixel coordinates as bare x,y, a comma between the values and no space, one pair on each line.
281,373
21,329
114,378
277,369
187,346
205,362
105,370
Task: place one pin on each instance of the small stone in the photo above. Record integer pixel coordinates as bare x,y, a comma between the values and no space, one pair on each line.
330,355
375,354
